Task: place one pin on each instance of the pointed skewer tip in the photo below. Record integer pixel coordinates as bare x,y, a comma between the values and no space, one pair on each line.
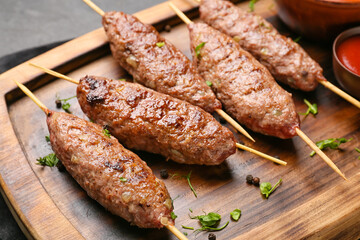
94,7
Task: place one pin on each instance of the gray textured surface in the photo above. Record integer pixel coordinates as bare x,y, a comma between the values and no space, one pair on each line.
26,24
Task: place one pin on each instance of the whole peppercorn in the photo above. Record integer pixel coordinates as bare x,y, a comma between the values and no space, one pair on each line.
212,236
58,103
256,181
249,179
167,28
164,173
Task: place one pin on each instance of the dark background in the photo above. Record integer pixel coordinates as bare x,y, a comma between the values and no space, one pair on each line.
25,25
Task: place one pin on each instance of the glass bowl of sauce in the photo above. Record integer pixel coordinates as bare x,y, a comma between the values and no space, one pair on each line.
346,60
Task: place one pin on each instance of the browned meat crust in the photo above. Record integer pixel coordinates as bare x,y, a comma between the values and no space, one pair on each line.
164,69
147,120
284,58
245,87
100,164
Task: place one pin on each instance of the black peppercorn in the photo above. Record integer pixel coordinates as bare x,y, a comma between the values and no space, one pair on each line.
256,181
212,236
167,28
164,173
249,179
58,103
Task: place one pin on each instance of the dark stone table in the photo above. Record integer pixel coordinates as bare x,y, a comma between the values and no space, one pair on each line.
28,24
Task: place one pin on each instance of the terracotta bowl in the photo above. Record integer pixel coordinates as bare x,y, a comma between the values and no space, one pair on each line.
347,79
320,20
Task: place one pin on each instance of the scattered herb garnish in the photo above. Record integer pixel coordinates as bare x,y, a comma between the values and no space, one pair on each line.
50,160
198,48
332,143
312,108
122,79
173,216
65,105
185,233
190,210
123,179
106,133
209,222
358,150
209,83
235,214
160,44
266,188
47,138
297,39
191,187
185,227
252,5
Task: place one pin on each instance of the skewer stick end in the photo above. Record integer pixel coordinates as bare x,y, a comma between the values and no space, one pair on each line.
263,155
94,7
55,74
176,232
180,14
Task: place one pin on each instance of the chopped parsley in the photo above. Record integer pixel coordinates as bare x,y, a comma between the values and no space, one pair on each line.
65,105
209,222
209,83
312,108
106,133
123,179
235,214
50,160
185,227
198,49
173,216
266,188
332,143
160,44
252,5
47,138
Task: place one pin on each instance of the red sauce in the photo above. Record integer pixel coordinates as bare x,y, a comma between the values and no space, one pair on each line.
348,53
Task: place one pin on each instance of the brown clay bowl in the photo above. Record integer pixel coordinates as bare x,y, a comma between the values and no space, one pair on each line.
346,78
320,20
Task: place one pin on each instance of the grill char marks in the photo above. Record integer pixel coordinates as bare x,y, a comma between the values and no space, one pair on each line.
284,58
98,163
164,69
146,120
246,89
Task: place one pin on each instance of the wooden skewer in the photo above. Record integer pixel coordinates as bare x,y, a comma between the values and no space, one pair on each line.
176,232
340,92
94,7
172,228
33,97
300,133
313,146
238,145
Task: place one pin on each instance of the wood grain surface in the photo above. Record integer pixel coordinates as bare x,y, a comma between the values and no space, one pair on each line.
313,202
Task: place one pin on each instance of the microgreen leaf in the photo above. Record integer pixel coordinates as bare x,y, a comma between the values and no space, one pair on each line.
266,189
209,83
332,143
50,160
47,138
235,214
185,227
191,187
198,49
297,39
173,216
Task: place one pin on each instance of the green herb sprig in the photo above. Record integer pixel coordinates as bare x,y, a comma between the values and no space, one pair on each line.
266,188
209,222
187,177
332,143
252,5
160,44
235,214
297,39
312,108
198,49
106,133
209,83
358,150
122,179
50,160
173,215
65,105
185,227
47,138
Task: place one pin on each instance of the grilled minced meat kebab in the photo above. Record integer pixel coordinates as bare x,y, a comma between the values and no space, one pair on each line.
155,62
112,175
146,120
244,86
284,58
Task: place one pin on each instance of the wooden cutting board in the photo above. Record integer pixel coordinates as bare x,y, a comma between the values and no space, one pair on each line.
312,202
